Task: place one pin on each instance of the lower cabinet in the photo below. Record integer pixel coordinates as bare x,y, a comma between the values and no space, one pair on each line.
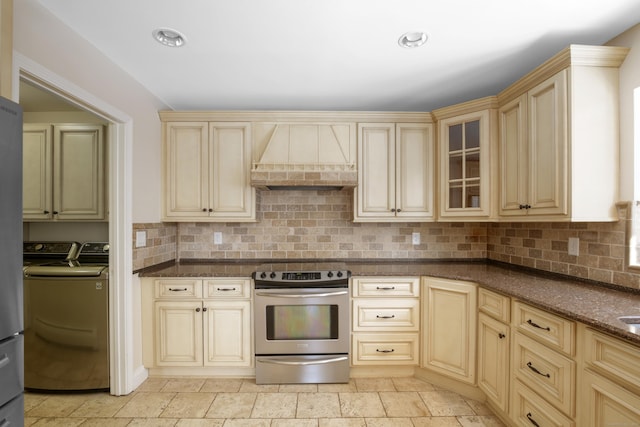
385,321
202,323
449,334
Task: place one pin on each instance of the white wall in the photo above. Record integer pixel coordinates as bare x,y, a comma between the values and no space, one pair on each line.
41,37
629,81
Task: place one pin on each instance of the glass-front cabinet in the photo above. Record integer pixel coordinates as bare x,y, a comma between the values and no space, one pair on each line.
466,147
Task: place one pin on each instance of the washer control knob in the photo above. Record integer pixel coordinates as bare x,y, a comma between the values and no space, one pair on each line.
339,273
263,275
330,274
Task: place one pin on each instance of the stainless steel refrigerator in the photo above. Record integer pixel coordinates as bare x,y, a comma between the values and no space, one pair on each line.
11,309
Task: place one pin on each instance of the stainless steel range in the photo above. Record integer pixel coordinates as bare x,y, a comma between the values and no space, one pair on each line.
301,324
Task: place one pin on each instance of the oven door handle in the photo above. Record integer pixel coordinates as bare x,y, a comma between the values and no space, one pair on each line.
302,362
324,294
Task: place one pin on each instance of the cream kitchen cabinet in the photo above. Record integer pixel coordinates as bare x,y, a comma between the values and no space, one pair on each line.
395,172
558,138
386,320
467,147
543,379
63,172
610,383
494,337
449,328
207,172
200,323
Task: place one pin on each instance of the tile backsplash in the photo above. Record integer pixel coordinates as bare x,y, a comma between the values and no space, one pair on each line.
319,224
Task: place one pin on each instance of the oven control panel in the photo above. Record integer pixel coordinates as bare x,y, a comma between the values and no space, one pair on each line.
302,278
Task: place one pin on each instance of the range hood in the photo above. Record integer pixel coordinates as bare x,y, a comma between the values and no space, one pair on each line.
300,156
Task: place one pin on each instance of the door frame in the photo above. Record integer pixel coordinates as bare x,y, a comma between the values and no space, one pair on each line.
124,375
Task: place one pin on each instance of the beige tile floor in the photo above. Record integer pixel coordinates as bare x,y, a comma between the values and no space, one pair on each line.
182,402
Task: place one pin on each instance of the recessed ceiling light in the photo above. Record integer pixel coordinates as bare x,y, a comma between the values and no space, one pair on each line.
169,37
412,39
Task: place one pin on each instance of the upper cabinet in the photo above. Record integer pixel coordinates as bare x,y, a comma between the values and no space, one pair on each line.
63,172
558,142
206,172
467,136
395,172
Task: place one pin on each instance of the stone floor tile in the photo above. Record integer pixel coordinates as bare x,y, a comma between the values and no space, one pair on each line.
375,384
106,422
145,405
152,422
436,422
222,385
403,404
295,422
187,422
250,386
480,421
366,404
183,385
101,406
188,405
389,422
153,384
298,388
232,405
342,422
275,405
31,400
58,405
318,405
411,384
478,407
338,388
247,423
58,422
445,403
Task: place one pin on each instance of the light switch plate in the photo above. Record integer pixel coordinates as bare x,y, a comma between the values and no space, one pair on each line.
141,239
574,246
217,238
415,238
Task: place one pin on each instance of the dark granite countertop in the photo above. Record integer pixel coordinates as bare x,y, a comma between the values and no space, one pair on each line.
594,304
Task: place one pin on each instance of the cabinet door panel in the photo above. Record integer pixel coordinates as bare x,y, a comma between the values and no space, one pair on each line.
547,113
376,170
230,159
186,174
493,360
178,333
226,336
513,156
37,187
414,171
78,177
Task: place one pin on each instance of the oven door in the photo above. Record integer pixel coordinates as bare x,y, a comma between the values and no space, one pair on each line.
301,321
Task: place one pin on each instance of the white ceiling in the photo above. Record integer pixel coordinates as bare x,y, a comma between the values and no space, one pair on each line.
337,54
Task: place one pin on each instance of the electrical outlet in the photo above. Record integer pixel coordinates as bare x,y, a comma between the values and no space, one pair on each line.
217,237
141,239
415,238
574,246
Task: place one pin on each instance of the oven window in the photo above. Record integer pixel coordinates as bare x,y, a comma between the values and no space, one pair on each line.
298,322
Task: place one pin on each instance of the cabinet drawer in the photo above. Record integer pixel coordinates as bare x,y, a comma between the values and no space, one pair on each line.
528,409
495,305
178,288
227,288
608,404
552,330
374,349
400,314
610,356
386,287
549,373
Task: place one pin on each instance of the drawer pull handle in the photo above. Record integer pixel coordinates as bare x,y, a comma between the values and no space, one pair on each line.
385,317
533,368
225,289
535,325
530,418
501,335
385,351
177,289
385,288
4,361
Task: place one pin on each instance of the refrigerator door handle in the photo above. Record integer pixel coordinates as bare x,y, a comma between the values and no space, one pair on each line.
4,361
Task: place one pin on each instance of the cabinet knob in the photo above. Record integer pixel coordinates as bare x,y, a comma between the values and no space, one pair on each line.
204,209
204,309
46,212
210,210
524,207
198,310
393,209
501,335
55,212
398,210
